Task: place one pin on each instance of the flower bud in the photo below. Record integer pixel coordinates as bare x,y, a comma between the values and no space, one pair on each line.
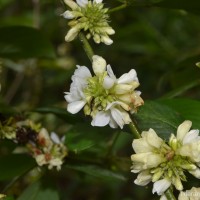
71,4
98,64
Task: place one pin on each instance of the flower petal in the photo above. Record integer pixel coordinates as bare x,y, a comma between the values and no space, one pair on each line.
141,146
68,15
112,123
128,77
98,1
72,33
71,4
98,64
101,119
108,82
191,136
106,40
55,138
120,116
75,106
110,72
195,173
143,178
82,3
183,129
82,72
147,160
161,186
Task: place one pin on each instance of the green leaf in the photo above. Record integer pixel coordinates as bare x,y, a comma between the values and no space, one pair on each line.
24,42
192,5
61,113
75,142
15,165
188,108
37,192
97,171
163,119
182,89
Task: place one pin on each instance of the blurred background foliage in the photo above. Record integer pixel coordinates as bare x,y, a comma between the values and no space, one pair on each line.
160,39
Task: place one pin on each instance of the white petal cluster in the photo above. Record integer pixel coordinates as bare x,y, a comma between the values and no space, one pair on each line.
164,164
89,16
104,97
193,194
49,150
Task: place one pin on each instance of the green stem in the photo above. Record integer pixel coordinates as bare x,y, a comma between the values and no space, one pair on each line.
169,194
134,130
117,8
88,49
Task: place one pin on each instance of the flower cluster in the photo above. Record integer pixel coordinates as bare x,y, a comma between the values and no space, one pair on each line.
89,16
104,97
193,194
165,163
47,150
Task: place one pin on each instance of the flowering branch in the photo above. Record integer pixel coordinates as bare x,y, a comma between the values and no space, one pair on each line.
88,49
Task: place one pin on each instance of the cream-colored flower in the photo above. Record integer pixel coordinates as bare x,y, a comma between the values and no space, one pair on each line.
50,150
89,16
193,194
104,97
165,164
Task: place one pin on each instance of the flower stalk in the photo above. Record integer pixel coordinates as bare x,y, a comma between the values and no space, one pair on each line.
86,46
169,194
134,130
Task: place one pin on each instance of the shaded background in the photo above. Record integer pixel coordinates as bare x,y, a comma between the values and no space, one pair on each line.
161,44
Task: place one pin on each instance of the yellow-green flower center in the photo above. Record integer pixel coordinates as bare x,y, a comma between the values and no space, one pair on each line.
96,95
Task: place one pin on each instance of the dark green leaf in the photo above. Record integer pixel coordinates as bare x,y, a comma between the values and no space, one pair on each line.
98,172
24,42
75,142
15,165
61,113
188,108
182,89
163,119
37,192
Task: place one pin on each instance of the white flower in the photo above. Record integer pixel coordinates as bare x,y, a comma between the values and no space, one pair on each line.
143,178
55,162
193,194
166,163
190,141
89,16
49,149
161,186
44,139
41,160
103,96
76,97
